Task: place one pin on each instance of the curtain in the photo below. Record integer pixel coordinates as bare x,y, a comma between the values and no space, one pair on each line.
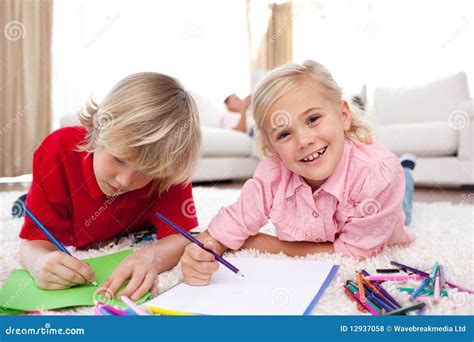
270,34
25,82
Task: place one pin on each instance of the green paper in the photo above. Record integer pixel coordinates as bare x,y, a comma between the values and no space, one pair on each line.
20,292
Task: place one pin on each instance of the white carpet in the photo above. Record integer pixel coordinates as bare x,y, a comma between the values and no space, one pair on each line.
444,231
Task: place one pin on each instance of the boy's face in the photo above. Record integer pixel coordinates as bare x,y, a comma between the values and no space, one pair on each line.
114,177
306,130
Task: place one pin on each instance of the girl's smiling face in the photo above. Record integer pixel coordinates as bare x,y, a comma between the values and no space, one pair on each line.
306,130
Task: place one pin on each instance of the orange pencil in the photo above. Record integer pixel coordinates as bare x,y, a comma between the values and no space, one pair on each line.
372,286
360,284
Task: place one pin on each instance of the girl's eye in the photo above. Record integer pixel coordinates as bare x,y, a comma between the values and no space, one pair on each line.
282,135
313,119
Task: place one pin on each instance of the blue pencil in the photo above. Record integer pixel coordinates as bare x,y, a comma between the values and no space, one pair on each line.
50,236
199,243
46,232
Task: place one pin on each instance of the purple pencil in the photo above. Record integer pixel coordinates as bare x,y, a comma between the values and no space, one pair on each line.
197,242
409,268
380,287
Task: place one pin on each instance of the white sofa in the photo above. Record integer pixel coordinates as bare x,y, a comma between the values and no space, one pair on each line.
436,123
225,155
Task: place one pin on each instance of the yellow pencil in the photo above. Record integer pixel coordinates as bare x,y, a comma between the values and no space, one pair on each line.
166,312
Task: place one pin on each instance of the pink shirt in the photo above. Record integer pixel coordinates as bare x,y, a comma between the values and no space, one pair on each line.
358,208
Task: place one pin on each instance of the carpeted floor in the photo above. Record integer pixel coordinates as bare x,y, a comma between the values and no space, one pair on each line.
445,234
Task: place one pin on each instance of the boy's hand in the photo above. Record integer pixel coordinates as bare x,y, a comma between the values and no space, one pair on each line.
60,271
197,264
142,269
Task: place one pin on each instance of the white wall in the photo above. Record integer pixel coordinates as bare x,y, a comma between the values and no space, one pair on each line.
96,43
384,42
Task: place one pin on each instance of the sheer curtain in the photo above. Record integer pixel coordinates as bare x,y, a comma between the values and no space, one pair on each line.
386,42
96,43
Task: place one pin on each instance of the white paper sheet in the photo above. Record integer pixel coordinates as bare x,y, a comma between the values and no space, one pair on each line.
270,287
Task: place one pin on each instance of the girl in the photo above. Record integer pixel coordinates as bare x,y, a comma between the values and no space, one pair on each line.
133,156
324,184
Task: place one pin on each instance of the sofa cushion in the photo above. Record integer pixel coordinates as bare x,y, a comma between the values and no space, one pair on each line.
220,142
432,102
429,139
210,109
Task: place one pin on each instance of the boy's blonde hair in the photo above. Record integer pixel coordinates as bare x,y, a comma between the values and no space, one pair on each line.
151,123
289,76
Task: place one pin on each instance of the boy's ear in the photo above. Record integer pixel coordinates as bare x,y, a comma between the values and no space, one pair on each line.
346,115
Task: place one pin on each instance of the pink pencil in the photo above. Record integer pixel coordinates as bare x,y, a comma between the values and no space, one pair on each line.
112,310
460,288
395,277
133,306
367,305
437,289
424,299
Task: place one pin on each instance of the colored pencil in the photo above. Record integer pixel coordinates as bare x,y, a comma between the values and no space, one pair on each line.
459,287
360,285
437,289
134,307
382,290
395,277
407,309
434,271
409,268
46,232
443,293
420,288
111,309
387,270
166,312
442,276
50,236
349,293
199,243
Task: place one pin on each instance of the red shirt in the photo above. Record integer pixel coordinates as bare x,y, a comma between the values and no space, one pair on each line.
66,198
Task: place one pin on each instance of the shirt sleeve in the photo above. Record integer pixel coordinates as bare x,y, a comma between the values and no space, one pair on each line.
47,199
377,211
234,224
177,204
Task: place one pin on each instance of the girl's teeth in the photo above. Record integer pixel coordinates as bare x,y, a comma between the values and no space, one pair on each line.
315,156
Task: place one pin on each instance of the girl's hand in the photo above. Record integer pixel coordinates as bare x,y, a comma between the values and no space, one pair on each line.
197,264
60,271
141,268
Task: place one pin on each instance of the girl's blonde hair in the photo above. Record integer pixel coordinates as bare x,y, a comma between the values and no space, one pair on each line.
151,123
289,76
